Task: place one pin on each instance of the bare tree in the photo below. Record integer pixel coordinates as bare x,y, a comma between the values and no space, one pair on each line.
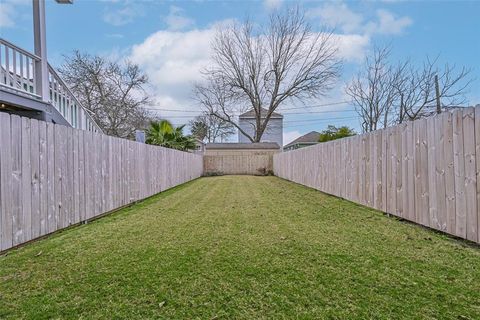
112,92
260,68
385,93
211,128
418,94
374,89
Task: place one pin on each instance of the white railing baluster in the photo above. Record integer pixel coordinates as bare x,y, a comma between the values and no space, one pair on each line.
14,69
22,79
67,109
27,71
7,67
16,72
1,65
34,79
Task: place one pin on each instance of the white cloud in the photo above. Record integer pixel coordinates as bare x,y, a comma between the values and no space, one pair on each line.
9,12
124,15
357,32
173,62
337,15
352,47
389,24
289,136
272,4
176,20
174,57
6,15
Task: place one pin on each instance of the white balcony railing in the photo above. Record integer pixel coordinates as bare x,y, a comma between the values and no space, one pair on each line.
19,73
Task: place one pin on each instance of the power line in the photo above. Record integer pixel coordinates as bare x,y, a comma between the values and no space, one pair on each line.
299,123
170,110
323,122
319,105
290,113
321,119
315,112
153,107
288,123
296,121
283,113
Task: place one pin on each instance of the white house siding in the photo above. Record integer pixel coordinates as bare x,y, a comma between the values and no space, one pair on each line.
273,133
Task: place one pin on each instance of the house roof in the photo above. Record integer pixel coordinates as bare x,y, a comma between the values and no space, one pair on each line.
239,146
311,137
251,114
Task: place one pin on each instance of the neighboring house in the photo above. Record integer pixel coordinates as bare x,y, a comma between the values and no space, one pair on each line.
239,158
199,146
306,140
273,132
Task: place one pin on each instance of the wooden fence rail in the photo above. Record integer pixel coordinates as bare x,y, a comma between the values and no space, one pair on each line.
426,171
52,176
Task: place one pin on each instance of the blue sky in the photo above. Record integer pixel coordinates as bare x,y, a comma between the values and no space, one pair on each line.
170,41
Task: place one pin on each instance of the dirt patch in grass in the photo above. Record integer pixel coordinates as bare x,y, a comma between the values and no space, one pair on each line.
247,248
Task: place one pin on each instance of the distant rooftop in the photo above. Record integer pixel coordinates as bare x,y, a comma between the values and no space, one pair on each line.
311,137
239,146
251,114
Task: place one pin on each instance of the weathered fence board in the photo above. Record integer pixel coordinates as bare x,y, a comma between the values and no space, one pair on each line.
426,171
6,196
421,215
449,172
24,226
34,178
52,176
477,153
470,173
16,179
50,179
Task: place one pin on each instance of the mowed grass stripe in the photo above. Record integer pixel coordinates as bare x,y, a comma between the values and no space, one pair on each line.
247,248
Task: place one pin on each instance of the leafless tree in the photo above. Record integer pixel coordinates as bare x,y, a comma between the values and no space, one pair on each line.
111,91
417,89
374,89
386,93
210,128
260,68
218,129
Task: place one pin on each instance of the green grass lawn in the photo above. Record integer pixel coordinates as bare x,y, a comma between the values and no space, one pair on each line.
243,247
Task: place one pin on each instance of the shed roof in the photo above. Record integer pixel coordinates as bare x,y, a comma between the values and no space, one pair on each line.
239,146
311,137
263,112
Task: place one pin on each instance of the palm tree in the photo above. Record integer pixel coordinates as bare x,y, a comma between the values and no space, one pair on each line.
163,133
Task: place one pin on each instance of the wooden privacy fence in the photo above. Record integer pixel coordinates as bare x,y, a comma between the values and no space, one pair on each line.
52,176
426,171
254,164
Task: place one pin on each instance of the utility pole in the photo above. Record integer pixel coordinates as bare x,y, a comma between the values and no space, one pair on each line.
437,93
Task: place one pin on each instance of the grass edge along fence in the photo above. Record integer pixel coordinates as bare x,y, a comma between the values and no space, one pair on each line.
53,176
426,171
